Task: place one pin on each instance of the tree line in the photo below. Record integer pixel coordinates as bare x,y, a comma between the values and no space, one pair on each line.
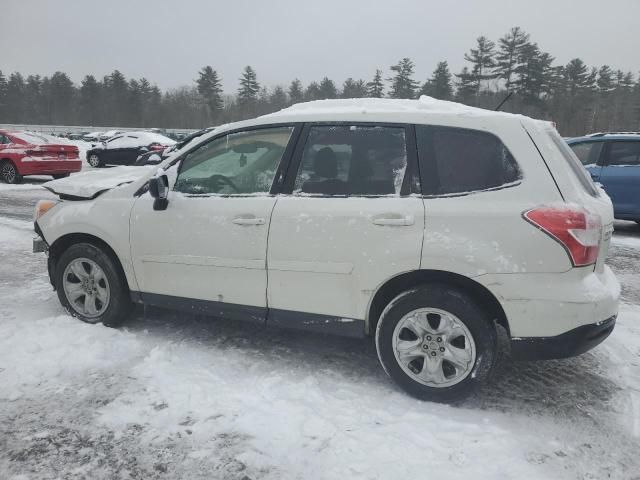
578,97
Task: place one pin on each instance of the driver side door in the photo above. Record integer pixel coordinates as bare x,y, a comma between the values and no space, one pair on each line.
207,251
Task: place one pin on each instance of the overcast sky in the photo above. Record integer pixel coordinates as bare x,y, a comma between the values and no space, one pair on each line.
169,41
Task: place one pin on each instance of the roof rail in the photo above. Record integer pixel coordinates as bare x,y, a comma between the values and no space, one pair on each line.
601,134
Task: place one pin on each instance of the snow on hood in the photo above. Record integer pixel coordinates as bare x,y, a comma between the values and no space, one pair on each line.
90,184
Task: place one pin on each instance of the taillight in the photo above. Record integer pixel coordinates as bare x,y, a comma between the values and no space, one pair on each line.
573,227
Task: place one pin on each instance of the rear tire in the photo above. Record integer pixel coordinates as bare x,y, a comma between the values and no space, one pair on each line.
60,175
436,343
90,286
9,173
94,160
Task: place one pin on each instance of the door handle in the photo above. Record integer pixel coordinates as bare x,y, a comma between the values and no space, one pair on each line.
394,220
249,220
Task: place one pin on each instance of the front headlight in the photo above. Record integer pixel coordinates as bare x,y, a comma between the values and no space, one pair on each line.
42,207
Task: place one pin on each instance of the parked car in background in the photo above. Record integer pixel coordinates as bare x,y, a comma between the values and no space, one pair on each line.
109,134
613,160
154,157
92,137
423,224
27,153
125,148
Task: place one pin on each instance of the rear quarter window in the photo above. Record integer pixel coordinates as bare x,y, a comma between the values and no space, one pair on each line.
455,161
558,144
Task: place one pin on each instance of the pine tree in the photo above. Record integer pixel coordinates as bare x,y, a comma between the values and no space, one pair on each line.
402,83
33,99
375,88
90,101
312,92
3,99
248,91
466,86
482,61
606,80
439,85
296,95
15,98
278,99
509,52
62,99
354,88
532,74
210,88
327,89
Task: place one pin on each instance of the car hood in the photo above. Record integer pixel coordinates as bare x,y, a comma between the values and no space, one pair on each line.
89,184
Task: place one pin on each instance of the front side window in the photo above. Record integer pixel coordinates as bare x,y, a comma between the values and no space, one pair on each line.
588,153
238,163
352,160
457,160
624,153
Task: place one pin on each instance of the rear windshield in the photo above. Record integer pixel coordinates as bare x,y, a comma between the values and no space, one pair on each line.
574,163
31,138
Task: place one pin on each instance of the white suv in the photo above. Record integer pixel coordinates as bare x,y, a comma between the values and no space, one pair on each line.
423,224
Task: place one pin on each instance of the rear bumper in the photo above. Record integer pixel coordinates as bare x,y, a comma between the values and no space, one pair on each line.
549,305
49,167
569,344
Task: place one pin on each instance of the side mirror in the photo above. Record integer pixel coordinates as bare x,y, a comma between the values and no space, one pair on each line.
159,189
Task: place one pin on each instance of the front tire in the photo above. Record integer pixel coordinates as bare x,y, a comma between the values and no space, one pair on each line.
94,160
9,173
90,286
436,343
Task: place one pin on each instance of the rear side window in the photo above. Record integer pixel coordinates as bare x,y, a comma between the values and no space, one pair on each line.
574,163
352,160
588,153
623,153
457,161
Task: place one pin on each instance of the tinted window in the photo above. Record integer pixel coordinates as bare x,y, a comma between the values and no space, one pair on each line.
456,160
588,153
623,153
4,140
239,163
352,160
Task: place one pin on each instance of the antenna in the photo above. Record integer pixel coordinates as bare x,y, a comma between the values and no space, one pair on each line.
504,100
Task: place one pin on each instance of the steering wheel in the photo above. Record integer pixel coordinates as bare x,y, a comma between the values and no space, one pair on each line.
221,178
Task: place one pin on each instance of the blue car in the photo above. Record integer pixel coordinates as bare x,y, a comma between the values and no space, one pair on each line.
613,160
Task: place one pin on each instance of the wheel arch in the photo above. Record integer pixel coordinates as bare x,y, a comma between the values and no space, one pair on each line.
405,281
60,245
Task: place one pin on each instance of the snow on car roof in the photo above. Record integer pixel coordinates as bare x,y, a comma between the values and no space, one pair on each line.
363,106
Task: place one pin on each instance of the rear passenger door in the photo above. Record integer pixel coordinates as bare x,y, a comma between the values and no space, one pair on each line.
620,177
345,223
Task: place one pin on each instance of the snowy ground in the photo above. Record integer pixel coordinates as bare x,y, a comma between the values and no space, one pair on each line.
173,396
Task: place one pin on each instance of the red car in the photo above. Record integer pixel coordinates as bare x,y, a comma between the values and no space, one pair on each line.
27,153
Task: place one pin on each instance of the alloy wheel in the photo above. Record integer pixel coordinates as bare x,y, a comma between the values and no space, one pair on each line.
434,347
86,287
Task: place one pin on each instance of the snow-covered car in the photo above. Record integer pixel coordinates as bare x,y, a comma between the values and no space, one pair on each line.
104,136
124,149
425,225
92,137
30,153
